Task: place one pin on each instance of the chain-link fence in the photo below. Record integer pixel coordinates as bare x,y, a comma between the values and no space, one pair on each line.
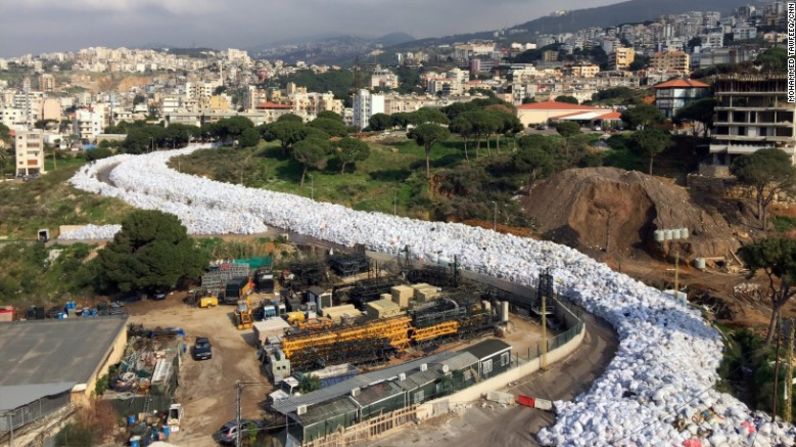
17,418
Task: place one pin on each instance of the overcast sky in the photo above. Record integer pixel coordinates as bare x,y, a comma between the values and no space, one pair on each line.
36,26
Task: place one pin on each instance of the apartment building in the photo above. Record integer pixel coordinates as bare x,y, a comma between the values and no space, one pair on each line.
671,96
12,117
365,105
29,152
752,113
583,70
46,82
623,57
89,123
671,61
383,78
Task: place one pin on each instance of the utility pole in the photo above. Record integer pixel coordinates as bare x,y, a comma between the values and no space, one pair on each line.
238,388
774,396
395,203
788,408
543,358
673,235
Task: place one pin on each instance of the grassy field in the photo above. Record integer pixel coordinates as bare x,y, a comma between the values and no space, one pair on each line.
392,175
49,201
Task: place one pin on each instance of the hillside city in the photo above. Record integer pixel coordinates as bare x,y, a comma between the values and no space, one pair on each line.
583,238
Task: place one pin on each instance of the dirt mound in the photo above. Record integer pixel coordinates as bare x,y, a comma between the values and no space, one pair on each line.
612,211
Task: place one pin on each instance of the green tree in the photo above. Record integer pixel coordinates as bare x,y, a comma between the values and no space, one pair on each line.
642,116
650,142
351,150
328,114
700,111
311,153
309,383
428,115
333,128
288,132
98,153
427,135
139,99
774,59
567,99
462,126
567,129
769,172
249,138
380,122
527,100
231,128
777,259
152,252
533,160
290,117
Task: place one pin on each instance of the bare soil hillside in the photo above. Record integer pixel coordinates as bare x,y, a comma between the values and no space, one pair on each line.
605,211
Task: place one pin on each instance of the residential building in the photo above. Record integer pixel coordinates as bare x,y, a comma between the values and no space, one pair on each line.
29,152
12,117
46,82
583,70
671,61
623,57
752,113
365,105
89,123
673,95
383,78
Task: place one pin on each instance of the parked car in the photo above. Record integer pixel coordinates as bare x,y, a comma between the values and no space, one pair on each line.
202,349
229,431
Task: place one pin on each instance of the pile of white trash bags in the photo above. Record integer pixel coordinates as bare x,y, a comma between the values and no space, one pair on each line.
657,391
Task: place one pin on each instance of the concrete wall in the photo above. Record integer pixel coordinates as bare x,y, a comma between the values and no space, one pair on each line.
82,395
500,381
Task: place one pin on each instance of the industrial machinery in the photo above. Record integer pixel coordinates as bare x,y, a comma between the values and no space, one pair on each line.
349,264
302,274
243,314
208,301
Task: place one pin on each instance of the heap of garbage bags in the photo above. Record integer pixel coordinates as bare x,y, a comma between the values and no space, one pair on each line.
657,391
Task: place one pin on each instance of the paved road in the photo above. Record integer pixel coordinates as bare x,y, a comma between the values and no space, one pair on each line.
489,425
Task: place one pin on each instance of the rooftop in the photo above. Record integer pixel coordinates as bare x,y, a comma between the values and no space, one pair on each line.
487,348
681,83
554,105
55,351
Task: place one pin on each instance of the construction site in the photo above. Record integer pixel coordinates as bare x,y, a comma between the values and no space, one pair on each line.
325,317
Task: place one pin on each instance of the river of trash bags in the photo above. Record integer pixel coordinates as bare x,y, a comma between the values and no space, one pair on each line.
657,391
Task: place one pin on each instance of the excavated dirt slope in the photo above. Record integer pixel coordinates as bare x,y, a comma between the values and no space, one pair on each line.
610,210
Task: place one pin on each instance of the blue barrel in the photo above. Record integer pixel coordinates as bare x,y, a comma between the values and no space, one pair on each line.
135,441
166,431
131,419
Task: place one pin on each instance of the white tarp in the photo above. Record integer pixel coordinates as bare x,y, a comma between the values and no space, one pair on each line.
664,369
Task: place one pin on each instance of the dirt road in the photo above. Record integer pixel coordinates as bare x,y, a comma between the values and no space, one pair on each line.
206,389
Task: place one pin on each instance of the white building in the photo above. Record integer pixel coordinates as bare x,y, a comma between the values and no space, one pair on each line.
89,124
365,105
383,78
13,118
29,152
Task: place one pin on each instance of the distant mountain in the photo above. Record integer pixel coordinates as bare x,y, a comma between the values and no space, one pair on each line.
632,11
327,48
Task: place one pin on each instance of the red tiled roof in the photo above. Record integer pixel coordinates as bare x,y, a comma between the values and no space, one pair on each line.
554,105
611,116
272,105
681,83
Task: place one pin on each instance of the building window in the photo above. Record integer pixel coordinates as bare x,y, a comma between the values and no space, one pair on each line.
504,359
468,375
487,366
419,396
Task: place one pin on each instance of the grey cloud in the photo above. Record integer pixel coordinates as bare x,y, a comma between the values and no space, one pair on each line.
37,26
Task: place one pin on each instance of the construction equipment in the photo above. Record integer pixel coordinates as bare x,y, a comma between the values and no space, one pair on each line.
208,301
243,314
237,289
215,281
296,317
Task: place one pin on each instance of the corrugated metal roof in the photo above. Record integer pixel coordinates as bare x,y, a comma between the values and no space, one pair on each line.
488,348
14,396
55,351
360,381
